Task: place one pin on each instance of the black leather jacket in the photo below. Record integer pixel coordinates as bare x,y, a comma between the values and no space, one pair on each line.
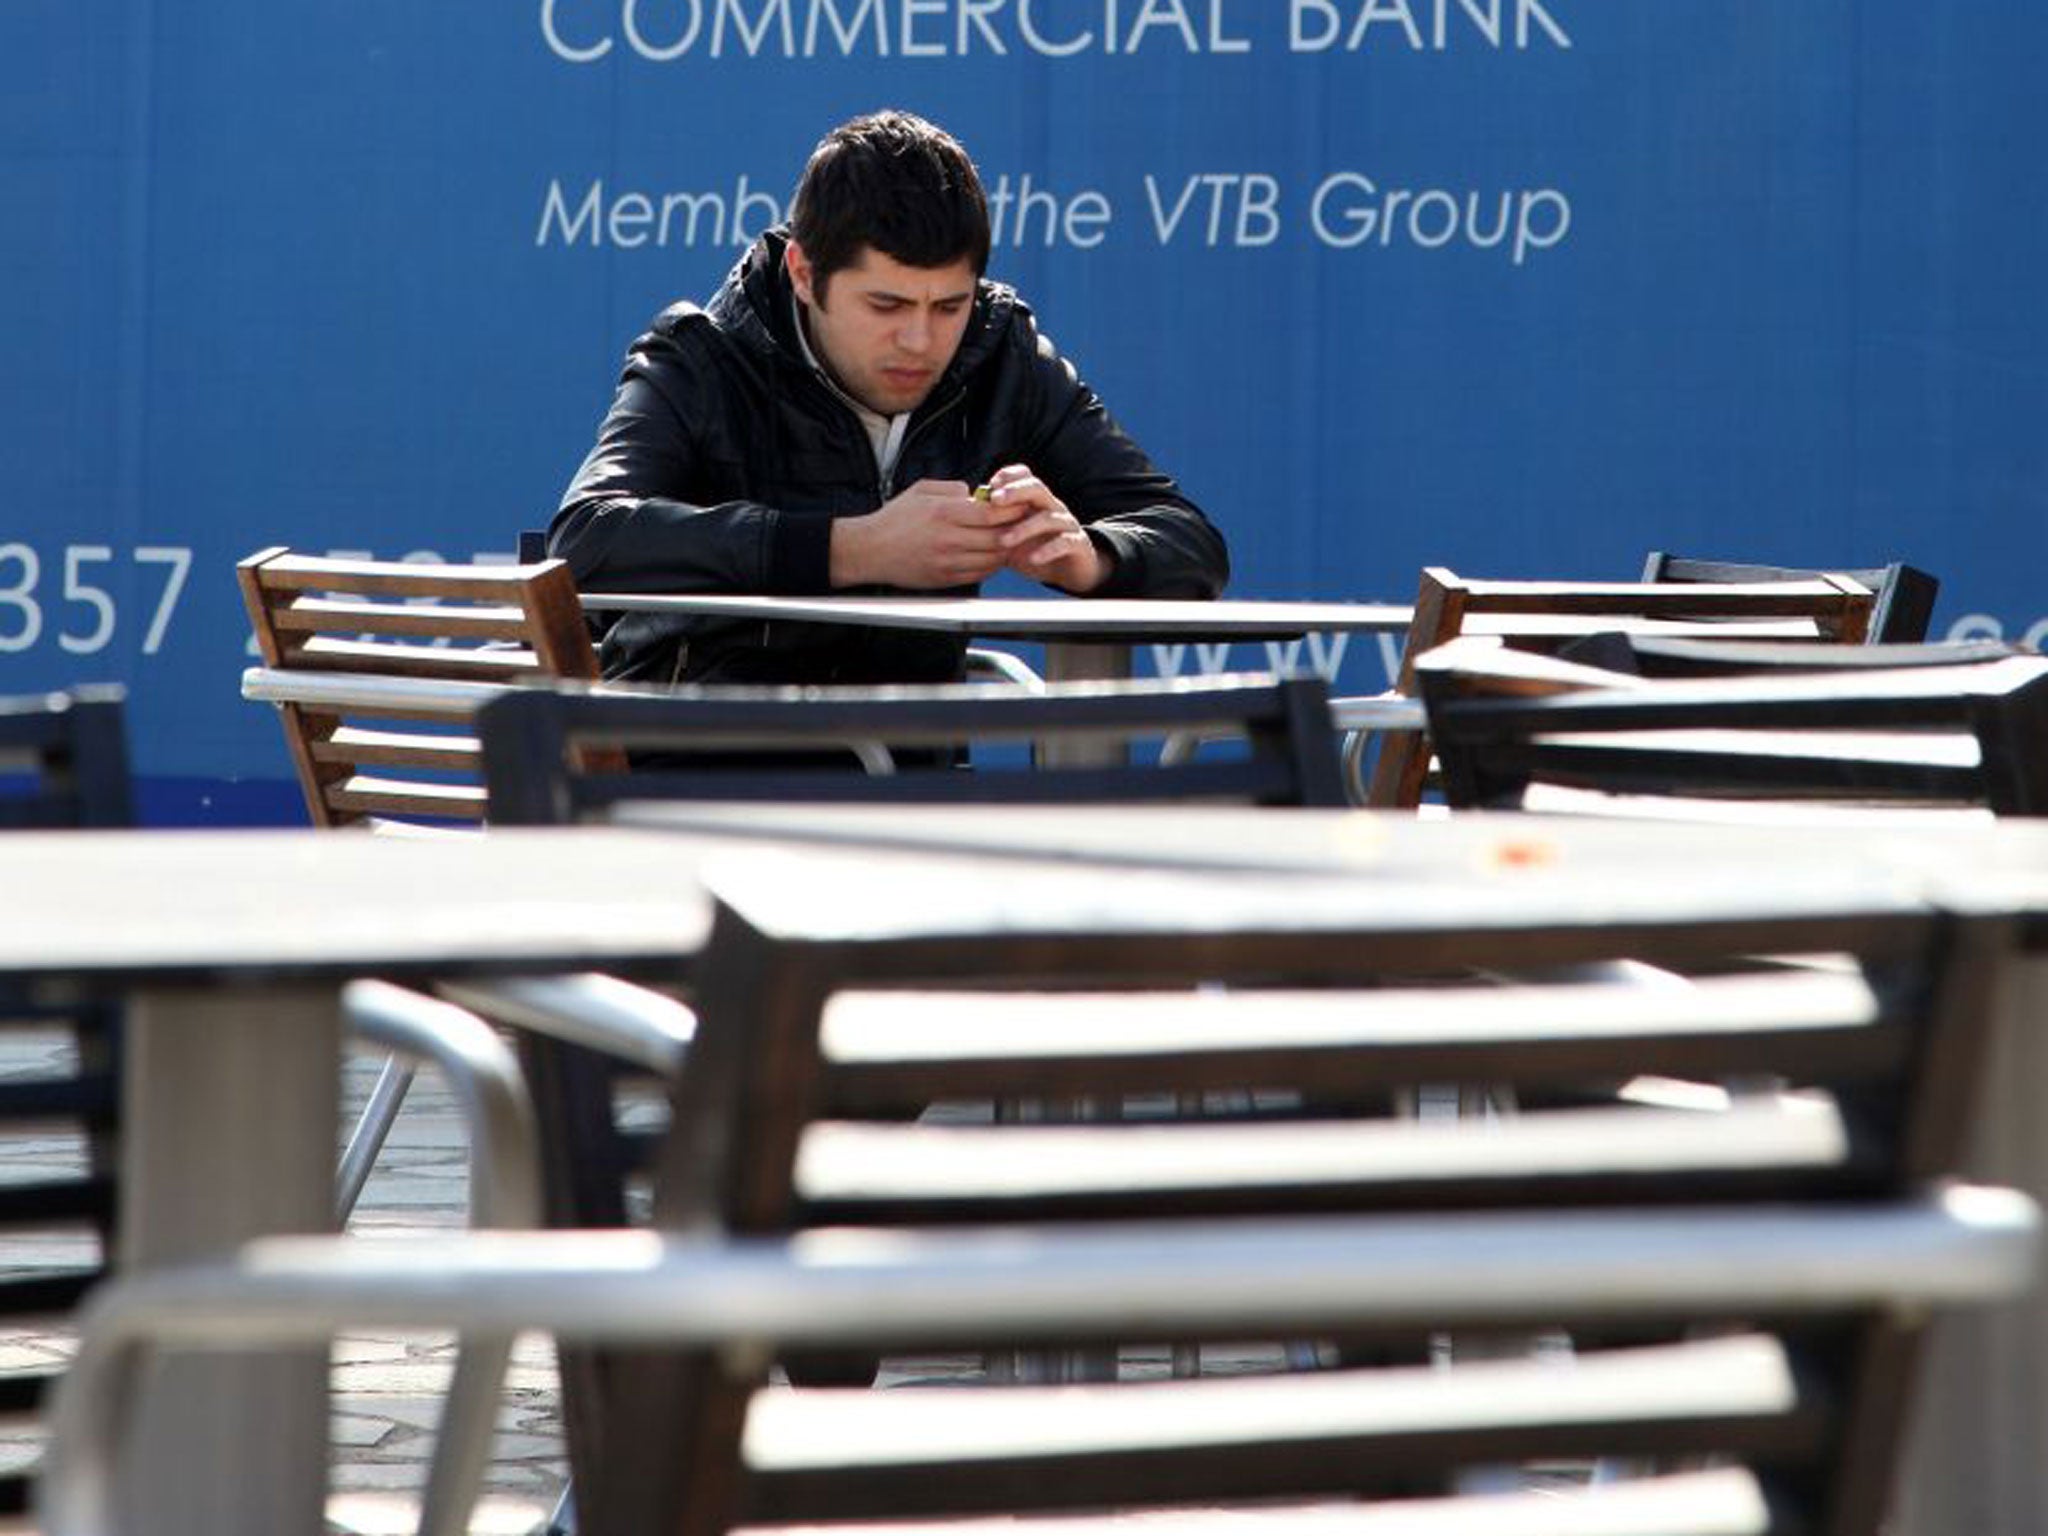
725,457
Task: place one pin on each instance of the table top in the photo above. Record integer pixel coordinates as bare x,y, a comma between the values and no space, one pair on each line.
1432,846
1098,620
270,906
848,871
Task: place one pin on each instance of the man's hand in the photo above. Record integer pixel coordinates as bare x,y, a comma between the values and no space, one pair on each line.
1042,539
935,534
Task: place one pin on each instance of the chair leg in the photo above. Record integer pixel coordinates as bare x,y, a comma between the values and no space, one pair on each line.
468,1416
563,1521
366,1141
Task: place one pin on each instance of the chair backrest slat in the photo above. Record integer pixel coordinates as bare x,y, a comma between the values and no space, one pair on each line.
324,614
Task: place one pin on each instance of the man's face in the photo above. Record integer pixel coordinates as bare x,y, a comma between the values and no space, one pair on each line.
886,331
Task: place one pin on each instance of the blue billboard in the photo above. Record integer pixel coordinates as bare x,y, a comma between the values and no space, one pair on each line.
1521,287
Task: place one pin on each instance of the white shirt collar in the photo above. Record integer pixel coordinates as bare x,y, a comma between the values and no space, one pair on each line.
885,433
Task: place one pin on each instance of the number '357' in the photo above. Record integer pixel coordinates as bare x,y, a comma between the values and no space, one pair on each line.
78,604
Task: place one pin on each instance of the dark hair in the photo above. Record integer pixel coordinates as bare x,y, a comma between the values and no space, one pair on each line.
893,181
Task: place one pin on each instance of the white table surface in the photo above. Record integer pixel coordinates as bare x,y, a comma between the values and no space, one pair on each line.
230,949
1105,620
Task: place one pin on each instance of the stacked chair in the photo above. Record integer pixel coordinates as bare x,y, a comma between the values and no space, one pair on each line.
1678,596
1546,615
63,763
1734,727
539,747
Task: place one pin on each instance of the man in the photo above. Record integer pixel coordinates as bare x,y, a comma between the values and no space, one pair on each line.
823,426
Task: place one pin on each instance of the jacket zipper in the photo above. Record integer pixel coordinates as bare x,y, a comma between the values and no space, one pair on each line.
886,484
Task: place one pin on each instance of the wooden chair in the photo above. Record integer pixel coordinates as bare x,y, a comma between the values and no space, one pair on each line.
378,667
63,763
1543,615
530,737
1969,733
833,989
1903,595
530,741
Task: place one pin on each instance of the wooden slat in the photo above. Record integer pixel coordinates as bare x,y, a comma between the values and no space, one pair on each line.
327,652
330,615
939,1043
1902,595
1817,596
1564,626
880,1173
482,583
1725,1502
385,797
1931,749
392,749
836,1454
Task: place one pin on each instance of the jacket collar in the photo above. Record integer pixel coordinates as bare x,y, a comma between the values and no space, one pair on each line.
756,304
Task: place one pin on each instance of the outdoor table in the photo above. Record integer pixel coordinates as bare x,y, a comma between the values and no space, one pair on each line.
1084,639
230,949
